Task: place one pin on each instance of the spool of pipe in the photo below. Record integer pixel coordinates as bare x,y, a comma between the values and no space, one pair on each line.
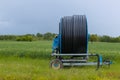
74,34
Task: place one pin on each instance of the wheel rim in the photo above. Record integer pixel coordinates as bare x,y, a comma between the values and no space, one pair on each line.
56,65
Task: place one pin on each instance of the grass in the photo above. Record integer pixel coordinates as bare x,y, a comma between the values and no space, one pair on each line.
30,61
108,50
13,68
40,49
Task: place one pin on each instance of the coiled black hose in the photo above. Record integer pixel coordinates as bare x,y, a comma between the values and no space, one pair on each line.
74,34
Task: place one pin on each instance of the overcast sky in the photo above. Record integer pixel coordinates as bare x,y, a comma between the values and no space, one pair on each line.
32,16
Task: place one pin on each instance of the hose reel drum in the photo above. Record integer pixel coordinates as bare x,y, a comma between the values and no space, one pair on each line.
74,34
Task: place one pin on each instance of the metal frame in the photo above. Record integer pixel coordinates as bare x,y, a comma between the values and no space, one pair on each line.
81,62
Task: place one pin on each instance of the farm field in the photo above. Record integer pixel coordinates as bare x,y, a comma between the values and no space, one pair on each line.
30,61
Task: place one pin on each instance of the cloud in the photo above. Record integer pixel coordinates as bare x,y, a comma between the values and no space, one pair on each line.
32,16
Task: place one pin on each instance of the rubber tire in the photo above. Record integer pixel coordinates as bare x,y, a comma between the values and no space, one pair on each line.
55,66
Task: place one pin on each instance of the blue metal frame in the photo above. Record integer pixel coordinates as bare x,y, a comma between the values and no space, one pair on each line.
100,60
56,43
87,36
68,62
60,33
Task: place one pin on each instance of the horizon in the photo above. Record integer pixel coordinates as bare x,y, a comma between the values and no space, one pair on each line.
52,33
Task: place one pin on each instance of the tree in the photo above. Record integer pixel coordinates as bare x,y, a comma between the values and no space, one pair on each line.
27,37
48,36
105,38
39,35
94,38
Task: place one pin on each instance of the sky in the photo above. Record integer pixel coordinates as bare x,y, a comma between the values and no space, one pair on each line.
33,16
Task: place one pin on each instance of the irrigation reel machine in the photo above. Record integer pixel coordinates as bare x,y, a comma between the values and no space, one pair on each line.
70,46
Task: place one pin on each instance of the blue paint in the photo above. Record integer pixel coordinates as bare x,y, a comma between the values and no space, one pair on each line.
56,65
110,62
60,34
56,43
100,59
87,37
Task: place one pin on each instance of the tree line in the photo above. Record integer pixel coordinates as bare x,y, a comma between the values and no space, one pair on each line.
51,36
29,37
104,38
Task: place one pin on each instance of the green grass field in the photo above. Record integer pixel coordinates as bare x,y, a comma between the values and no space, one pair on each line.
30,61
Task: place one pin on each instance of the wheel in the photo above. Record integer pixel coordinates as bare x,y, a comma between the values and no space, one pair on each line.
56,64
